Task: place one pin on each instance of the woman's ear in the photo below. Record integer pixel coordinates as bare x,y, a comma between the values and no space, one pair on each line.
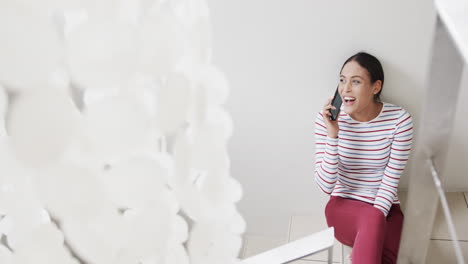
377,86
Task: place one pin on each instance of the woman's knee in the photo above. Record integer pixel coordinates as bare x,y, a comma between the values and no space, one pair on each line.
373,219
375,213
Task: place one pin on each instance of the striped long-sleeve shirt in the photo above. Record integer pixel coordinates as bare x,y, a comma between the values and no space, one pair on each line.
367,159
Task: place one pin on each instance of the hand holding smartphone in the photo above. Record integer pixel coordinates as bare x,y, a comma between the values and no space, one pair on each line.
336,102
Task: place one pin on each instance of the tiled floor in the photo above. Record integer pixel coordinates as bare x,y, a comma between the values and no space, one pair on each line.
440,250
459,211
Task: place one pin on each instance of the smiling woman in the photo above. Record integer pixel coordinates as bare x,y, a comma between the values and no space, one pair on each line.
361,86
359,160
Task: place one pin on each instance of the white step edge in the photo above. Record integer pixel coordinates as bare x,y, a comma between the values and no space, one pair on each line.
300,248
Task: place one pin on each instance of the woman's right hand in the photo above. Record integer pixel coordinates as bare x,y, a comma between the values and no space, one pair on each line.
332,126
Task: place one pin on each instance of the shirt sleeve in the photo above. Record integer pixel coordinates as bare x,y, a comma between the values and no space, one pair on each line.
326,157
399,154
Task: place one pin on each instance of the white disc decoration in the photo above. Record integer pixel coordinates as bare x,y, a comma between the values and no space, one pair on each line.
220,118
161,40
101,53
208,145
151,231
41,125
100,239
212,243
115,126
135,183
173,102
70,192
144,89
215,82
113,135
45,245
30,48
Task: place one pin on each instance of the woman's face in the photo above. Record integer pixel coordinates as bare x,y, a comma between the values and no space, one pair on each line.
356,89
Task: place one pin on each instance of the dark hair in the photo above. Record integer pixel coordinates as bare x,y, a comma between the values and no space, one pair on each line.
372,65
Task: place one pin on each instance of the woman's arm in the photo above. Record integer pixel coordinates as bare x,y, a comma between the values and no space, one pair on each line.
326,157
399,154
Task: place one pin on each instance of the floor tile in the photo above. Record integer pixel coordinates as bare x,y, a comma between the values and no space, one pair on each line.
443,252
459,212
304,225
256,244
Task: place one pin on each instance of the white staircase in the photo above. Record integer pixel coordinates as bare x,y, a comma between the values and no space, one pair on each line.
309,245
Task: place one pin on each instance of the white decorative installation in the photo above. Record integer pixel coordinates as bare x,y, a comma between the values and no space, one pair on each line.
113,135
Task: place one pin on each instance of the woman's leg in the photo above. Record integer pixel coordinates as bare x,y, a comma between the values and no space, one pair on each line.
369,241
342,217
392,235
359,225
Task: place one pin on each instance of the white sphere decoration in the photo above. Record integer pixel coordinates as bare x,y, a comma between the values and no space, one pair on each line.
215,83
220,188
101,239
21,222
30,49
177,254
135,182
237,224
173,102
211,243
154,232
21,210
101,53
194,15
116,126
188,11
48,7
180,229
144,88
70,192
209,92
41,125
45,246
91,96
209,148
219,117
116,139
160,44
12,178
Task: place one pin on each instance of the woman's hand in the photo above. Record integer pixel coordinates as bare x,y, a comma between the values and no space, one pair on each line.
332,126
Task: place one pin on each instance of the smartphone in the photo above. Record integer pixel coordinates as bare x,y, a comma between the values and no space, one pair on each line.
336,102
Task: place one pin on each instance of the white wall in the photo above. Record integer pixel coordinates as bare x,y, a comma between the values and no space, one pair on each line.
282,59
456,168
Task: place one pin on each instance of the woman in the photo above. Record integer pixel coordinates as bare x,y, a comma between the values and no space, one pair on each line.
359,160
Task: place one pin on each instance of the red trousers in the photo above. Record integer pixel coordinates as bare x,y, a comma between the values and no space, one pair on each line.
374,238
